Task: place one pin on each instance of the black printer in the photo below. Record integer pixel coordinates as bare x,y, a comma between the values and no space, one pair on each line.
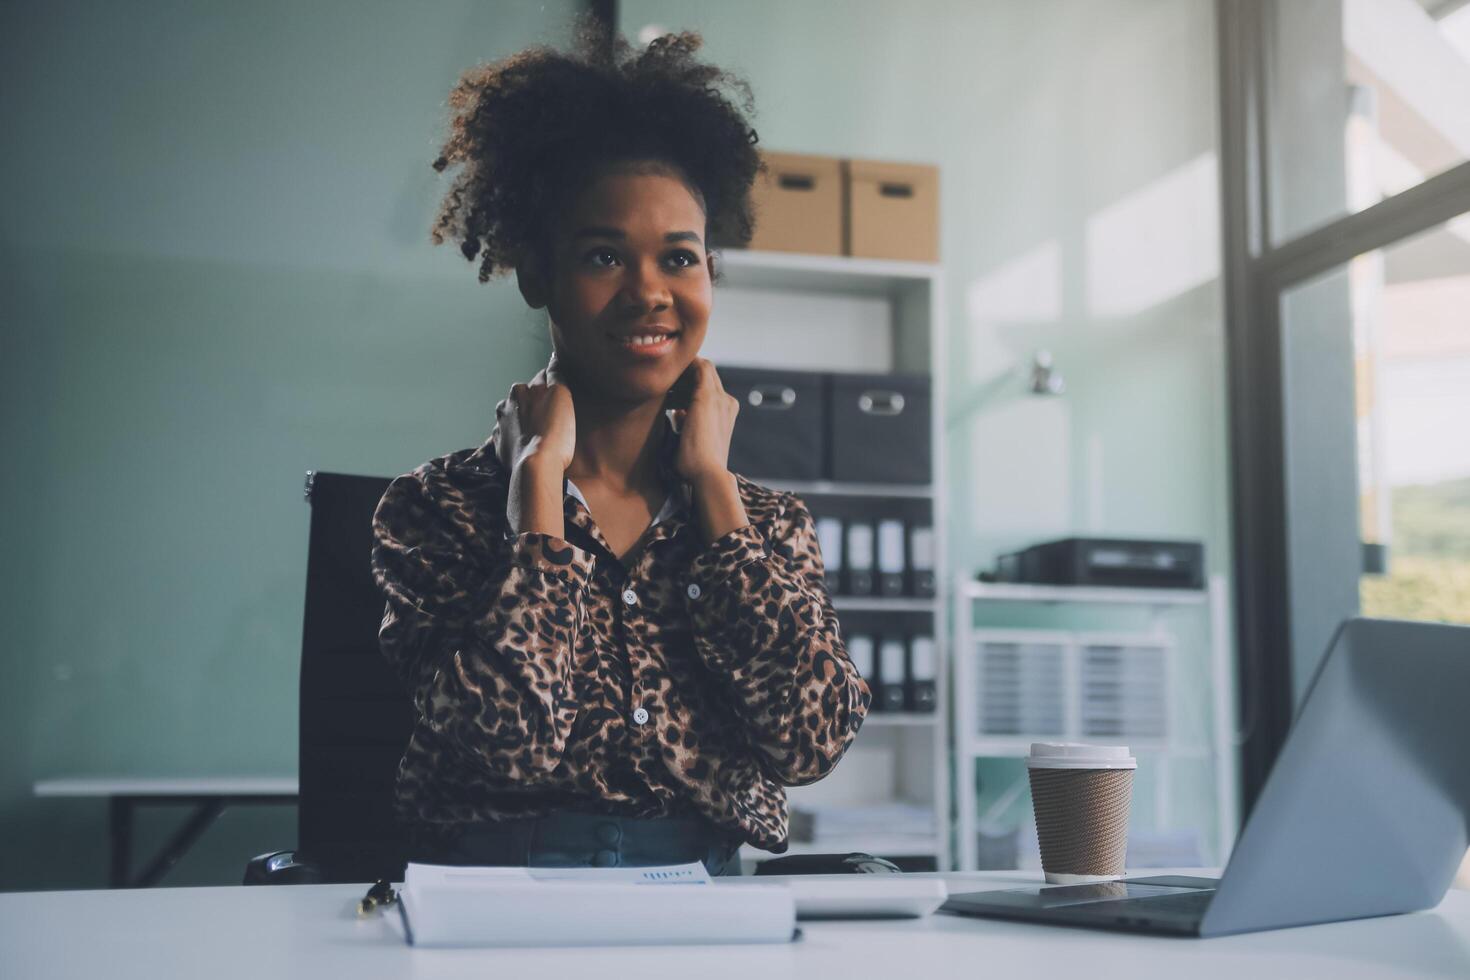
1118,562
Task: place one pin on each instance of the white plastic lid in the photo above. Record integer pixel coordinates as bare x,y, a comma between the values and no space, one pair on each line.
1074,755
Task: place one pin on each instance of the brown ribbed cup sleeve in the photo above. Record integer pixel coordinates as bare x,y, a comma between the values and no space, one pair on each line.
1082,819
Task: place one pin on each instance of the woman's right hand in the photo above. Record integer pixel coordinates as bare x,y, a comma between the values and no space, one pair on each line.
535,433
536,423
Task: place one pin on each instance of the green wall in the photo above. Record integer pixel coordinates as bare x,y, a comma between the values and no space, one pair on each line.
216,275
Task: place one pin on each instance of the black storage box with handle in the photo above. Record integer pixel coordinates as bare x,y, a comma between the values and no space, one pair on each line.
879,428
782,418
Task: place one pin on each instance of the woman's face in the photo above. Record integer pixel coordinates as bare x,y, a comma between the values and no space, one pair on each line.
629,290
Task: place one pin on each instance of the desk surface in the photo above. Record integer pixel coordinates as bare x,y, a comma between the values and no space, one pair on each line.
311,931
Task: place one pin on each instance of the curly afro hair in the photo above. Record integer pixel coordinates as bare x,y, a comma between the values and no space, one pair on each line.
532,129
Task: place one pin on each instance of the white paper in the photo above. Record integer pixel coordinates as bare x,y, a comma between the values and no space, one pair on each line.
481,906
432,875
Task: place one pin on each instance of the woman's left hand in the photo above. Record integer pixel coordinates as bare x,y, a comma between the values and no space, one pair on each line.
705,427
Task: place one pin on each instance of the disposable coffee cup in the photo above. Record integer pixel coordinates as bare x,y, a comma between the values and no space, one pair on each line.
1081,795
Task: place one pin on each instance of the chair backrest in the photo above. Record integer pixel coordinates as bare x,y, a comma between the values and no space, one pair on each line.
356,718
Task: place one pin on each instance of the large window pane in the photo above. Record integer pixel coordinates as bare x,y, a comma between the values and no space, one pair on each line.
1412,342
1408,74
1368,99
1411,339
1411,350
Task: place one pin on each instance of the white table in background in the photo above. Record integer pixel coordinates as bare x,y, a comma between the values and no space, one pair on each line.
208,795
311,931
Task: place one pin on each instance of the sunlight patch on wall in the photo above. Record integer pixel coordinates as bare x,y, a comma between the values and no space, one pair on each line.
1157,243
1020,462
1023,292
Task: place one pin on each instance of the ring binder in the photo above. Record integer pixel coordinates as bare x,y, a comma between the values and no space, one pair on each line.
921,560
891,671
922,690
860,652
890,557
859,558
829,541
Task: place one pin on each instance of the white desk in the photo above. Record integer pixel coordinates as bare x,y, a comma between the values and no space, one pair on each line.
311,931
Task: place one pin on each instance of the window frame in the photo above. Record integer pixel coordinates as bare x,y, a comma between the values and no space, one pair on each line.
1294,494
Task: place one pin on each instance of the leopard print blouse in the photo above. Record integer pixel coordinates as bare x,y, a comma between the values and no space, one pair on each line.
689,678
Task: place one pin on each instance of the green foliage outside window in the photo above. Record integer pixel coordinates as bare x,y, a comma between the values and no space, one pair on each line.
1429,560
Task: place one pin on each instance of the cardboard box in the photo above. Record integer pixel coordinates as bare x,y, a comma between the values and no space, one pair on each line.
798,204
892,210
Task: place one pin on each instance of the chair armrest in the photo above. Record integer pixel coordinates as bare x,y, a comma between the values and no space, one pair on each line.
281,868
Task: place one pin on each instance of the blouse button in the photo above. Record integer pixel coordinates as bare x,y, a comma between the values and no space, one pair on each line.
693,591
640,715
630,597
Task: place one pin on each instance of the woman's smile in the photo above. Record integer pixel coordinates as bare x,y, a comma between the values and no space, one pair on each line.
651,343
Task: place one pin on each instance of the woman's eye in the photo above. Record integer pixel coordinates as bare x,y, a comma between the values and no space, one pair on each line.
684,258
602,257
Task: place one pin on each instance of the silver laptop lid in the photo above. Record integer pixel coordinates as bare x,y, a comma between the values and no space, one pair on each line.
1366,809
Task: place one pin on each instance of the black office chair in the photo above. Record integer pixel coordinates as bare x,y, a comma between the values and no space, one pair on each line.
355,717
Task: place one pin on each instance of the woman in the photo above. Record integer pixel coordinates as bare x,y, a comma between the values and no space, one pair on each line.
619,651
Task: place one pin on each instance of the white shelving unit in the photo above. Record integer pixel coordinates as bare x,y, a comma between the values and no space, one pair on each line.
877,604
834,313
971,744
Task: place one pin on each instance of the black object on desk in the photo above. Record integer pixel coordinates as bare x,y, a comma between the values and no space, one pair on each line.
855,862
355,716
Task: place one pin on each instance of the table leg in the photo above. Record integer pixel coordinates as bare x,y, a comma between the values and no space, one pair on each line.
120,830
207,813
122,808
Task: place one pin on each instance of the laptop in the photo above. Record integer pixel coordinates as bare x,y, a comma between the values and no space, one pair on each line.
1365,811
